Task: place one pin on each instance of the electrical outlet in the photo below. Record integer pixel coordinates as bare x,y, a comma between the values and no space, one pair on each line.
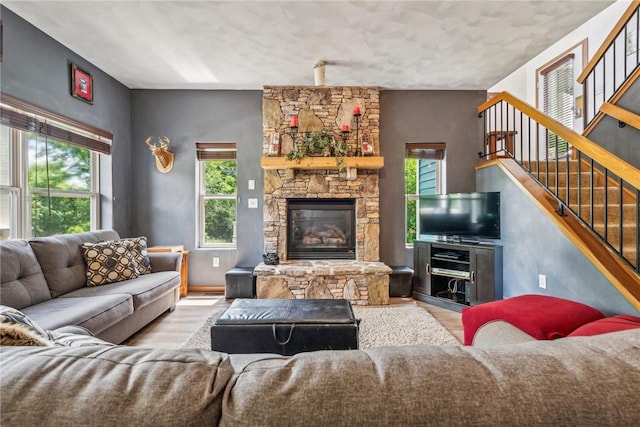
542,281
253,203
215,262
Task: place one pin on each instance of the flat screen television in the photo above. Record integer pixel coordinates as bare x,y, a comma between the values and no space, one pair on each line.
460,216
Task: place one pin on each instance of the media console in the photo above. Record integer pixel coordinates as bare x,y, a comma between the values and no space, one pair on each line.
456,275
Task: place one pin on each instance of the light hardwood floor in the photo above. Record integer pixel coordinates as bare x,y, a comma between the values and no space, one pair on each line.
172,329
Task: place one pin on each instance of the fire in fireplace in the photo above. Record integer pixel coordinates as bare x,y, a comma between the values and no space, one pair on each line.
321,229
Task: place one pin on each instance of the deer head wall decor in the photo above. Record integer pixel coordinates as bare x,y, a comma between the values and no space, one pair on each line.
164,159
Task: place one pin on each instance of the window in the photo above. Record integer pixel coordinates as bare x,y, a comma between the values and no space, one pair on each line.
218,188
49,177
559,95
423,165
558,101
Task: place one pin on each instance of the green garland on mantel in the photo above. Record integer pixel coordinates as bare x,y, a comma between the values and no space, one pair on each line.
319,144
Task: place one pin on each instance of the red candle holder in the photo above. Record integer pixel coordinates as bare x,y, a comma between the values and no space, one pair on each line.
293,128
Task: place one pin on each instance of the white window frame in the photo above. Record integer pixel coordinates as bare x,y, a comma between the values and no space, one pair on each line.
21,194
201,206
416,197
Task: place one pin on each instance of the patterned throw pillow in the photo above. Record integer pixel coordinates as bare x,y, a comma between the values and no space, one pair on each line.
108,262
18,329
138,248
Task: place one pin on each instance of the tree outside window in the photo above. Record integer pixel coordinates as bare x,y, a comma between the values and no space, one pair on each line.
220,184
59,178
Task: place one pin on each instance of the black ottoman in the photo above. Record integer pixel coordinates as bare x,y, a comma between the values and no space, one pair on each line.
401,281
285,326
240,283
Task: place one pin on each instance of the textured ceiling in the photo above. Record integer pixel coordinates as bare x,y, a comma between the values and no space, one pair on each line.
249,44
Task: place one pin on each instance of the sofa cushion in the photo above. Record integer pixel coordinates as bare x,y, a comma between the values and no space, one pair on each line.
108,262
574,381
61,259
615,323
541,316
119,385
21,280
143,289
94,313
138,248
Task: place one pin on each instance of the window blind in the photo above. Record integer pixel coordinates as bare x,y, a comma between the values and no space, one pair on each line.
558,100
216,150
22,116
425,150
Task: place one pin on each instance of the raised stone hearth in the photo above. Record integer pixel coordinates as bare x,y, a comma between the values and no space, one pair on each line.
362,283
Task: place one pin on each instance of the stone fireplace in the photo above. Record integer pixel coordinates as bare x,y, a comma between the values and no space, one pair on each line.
324,186
351,269
321,229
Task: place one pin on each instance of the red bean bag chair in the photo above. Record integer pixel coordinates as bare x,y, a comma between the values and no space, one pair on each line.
619,322
541,316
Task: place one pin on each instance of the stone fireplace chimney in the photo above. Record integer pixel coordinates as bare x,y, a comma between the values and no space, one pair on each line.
361,278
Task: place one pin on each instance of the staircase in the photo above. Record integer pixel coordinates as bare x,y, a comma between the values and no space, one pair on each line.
594,204
595,190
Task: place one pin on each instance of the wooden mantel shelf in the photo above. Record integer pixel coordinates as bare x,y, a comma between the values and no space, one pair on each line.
352,164
318,163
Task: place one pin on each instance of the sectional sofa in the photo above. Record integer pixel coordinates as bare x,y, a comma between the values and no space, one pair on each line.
582,381
46,279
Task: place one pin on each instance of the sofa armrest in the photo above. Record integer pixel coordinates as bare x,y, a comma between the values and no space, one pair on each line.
165,261
499,332
73,329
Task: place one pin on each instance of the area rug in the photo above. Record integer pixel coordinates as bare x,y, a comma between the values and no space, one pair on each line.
388,325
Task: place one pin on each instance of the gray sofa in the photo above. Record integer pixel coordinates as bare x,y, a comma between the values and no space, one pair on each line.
580,381
45,278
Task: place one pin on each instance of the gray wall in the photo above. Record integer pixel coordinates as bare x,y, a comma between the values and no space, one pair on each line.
533,245
625,142
165,206
424,116
36,69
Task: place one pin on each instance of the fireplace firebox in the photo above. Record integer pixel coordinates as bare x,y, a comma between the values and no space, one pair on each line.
321,229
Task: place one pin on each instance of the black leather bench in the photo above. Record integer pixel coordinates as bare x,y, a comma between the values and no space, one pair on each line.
285,326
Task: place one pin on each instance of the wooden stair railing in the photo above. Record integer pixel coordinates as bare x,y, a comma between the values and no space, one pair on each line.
613,64
624,117
635,76
599,189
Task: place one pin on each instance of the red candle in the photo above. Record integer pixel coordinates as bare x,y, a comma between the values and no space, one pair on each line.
294,122
345,128
356,111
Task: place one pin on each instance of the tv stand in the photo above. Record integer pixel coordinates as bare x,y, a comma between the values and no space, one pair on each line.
454,275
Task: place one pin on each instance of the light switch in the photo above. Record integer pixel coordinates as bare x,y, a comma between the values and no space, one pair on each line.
253,203
252,184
